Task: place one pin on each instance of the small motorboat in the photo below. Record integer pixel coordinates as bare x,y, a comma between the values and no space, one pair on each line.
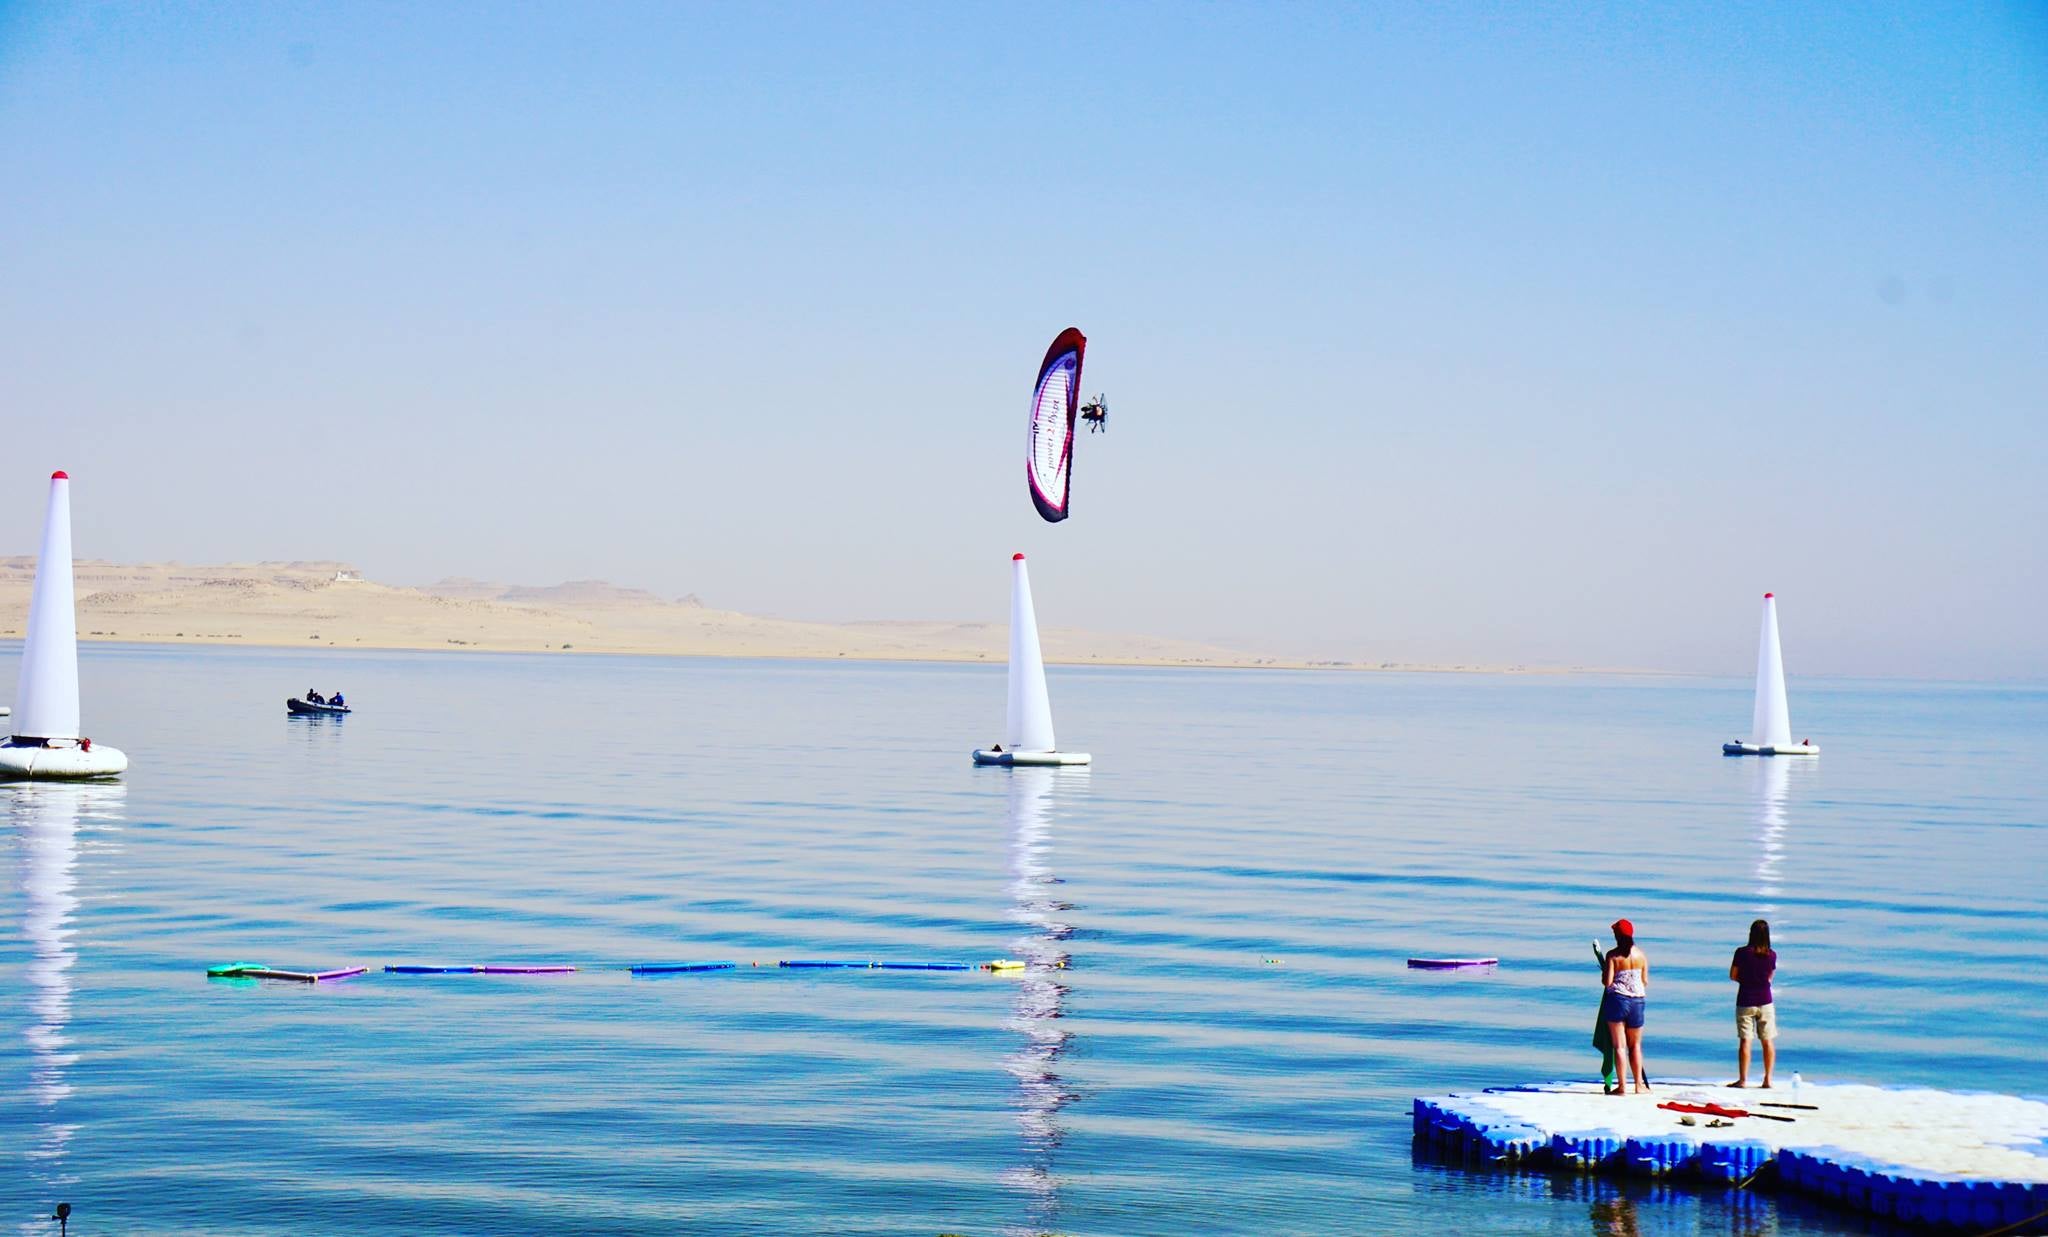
296,705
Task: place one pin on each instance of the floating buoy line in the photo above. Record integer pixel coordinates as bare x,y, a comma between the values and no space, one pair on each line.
258,970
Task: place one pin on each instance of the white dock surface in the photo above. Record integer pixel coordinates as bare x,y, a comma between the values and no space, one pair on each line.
1980,1137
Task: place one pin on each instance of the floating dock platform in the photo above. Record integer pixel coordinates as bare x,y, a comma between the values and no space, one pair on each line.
1965,1161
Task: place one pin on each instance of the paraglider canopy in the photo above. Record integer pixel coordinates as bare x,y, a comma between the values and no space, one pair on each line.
1055,399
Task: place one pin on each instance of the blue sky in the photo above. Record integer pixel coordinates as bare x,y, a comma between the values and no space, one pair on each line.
1494,334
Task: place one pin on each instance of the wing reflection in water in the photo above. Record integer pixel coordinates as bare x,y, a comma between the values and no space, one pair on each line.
1036,904
45,820
1773,778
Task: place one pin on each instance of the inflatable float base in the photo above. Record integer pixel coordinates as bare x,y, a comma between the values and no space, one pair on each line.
1751,749
1916,1158
34,762
983,757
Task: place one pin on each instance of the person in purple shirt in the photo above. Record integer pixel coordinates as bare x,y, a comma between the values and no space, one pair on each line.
1755,1016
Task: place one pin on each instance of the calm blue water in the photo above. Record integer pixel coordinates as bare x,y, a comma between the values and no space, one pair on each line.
611,810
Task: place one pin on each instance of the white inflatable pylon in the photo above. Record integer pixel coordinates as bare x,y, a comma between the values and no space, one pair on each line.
1027,731
1770,726
45,741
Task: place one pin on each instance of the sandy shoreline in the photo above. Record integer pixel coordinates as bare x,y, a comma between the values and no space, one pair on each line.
292,605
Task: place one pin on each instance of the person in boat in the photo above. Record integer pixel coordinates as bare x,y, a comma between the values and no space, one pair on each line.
1625,978
337,701
313,697
1755,1016
997,748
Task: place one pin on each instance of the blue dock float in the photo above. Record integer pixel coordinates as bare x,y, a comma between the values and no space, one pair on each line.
1587,1151
1660,1155
1927,1159
1735,1162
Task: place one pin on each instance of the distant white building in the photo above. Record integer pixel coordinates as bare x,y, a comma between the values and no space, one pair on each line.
348,577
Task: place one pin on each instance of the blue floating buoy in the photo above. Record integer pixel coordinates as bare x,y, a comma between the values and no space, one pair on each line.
677,968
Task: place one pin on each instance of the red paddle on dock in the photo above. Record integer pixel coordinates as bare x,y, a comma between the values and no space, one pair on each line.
1719,1110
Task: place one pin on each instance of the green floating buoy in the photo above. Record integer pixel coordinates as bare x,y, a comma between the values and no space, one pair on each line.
229,970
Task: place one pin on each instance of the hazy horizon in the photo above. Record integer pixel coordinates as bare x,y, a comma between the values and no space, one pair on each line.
1525,336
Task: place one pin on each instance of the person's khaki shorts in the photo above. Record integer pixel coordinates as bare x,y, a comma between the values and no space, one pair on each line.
1756,1022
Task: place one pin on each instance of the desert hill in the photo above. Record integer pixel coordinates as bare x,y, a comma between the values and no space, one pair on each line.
292,604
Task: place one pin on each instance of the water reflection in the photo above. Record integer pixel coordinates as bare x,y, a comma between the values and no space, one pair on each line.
1037,1014
1615,1216
318,728
45,819
1772,781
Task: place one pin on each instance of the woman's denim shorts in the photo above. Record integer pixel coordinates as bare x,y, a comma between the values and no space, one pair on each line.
1627,1010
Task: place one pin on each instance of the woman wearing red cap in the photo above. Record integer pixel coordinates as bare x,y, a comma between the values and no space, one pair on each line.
1626,973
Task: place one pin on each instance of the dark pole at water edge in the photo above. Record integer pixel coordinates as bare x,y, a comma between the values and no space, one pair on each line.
63,1218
